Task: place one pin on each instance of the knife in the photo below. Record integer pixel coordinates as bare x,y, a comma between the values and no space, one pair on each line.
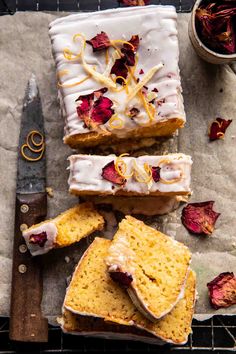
27,323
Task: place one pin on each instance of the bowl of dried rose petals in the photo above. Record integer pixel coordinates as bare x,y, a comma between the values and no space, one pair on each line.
212,30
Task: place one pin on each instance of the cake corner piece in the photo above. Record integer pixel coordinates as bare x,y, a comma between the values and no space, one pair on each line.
134,91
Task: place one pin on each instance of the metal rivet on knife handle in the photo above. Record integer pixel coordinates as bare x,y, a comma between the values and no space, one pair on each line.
23,248
22,268
24,208
23,227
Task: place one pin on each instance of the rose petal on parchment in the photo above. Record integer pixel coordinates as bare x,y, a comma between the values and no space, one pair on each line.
218,128
222,290
199,218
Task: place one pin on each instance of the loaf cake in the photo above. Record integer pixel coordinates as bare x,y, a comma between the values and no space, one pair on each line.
92,292
152,266
118,74
126,175
67,228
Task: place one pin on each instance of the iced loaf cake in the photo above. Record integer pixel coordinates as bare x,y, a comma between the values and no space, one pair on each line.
125,175
92,292
118,74
150,265
67,228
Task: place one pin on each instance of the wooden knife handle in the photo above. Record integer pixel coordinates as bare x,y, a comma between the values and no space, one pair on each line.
26,322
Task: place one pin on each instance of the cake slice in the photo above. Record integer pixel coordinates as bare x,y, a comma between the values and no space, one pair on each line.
88,326
67,228
92,292
118,74
152,266
130,176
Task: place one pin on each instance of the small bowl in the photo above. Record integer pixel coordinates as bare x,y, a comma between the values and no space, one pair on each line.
205,53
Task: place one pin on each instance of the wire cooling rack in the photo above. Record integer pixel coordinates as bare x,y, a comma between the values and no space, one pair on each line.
217,334
11,6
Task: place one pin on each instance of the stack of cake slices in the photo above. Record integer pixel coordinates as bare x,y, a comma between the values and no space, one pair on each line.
138,286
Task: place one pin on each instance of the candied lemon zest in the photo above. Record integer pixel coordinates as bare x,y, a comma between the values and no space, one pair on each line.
62,73
79,35
220,135
69,55
143,82
171,181
31,143
146,106
107,56
75,83
120,164
114,119
145,174
115,55
121,41
123,87
97,76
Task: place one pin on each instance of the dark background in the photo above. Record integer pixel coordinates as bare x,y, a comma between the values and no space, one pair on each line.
217,334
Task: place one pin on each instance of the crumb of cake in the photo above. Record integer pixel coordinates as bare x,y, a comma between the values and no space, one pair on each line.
50,192
67,259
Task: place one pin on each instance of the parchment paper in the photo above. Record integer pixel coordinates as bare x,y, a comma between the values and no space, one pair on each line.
209,91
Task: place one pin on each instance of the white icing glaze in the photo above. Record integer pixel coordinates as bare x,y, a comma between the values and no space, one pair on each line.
121,256
156,27
51,231
86,170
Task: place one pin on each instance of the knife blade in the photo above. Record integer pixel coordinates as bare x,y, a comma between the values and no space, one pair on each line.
27,323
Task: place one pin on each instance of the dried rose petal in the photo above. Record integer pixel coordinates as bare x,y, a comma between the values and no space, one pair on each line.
95,109
110,174
199,218
38,239
134,40
129,56
156,173
123,278
218,128
129,52
141,72
128,59
215,24
133,112
222,290
99,42
134,2
120,69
